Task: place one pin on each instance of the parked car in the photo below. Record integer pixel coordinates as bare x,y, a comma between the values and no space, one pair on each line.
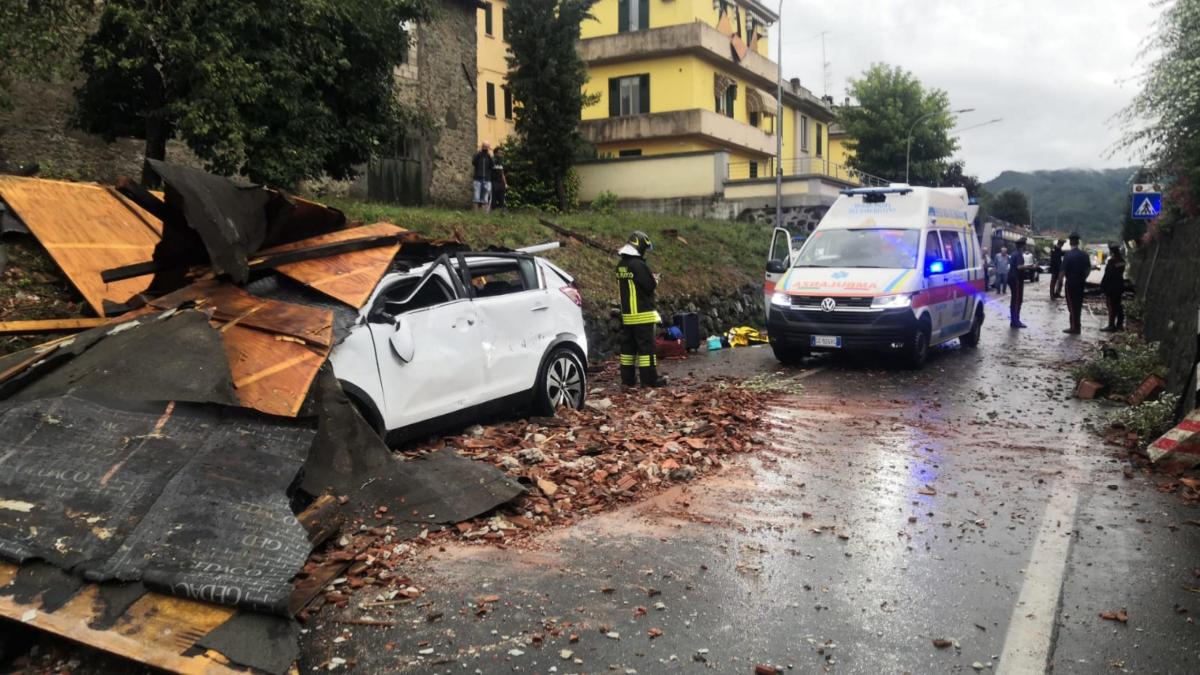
447,341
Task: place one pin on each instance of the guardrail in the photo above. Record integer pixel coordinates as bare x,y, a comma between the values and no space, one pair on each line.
802,166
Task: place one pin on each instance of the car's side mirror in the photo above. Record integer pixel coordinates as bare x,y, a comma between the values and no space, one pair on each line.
401,340
776,267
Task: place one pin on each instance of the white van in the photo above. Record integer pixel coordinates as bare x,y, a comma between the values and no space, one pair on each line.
895,269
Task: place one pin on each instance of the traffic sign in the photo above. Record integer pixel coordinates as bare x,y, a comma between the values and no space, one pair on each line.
1139,188
1146,206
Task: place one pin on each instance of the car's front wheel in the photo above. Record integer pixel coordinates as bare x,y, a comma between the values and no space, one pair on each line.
562,382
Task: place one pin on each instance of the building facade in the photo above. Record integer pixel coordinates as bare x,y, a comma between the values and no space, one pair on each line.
494,102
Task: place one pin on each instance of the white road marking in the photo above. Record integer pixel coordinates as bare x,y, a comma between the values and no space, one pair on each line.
1030,633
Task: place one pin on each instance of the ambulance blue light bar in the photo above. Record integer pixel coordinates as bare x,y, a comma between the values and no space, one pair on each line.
898,189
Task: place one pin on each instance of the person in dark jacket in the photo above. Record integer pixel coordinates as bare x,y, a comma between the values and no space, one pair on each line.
1113,286
1075,270
1056,280
499,183
481,184
1016,280
636,284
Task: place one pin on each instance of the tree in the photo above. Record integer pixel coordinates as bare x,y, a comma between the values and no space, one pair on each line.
276,90
1011,206
1162,120
891,101
954,176
546,77
38,38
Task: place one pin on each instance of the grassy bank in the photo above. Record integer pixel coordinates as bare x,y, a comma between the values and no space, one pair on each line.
704,256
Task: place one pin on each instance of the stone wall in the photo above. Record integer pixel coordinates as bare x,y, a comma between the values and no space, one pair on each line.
37,130
718,313
797,219
441,87
1168,282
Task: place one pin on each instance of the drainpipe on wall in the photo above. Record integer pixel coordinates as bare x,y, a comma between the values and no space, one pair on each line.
779,122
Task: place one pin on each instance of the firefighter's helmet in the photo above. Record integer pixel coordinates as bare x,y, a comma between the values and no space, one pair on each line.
641,241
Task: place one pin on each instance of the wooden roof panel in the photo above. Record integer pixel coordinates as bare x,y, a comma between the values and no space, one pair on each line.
348,277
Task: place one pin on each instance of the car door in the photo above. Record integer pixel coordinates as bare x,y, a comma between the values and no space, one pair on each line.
779,259
955,319
936,276
427,345
516,321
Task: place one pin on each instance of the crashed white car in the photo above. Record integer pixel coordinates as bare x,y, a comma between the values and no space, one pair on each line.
466,335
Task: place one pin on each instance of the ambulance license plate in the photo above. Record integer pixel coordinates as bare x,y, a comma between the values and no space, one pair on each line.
827,341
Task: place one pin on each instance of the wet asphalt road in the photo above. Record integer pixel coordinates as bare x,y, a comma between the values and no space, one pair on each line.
969,502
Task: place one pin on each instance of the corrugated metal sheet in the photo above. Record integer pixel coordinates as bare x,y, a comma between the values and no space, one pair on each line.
86,228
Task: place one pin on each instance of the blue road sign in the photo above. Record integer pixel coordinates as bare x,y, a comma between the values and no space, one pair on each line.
1146,205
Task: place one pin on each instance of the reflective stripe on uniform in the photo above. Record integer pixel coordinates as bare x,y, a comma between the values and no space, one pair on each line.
632,297
627,359
639,318
646,361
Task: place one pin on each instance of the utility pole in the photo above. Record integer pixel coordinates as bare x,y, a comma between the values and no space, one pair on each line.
779,122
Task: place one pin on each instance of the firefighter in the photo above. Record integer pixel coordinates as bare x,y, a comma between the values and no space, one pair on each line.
636,284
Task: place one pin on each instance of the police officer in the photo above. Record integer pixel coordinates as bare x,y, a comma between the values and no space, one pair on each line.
1075,270
636,284
1113,286
1016,281
1056,277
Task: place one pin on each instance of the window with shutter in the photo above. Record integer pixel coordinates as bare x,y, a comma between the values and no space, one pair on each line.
508,104
487,18
491,100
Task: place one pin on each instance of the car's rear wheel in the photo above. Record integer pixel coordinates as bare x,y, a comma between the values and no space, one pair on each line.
971,339
562,382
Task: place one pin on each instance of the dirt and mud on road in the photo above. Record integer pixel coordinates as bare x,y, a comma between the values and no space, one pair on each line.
958,519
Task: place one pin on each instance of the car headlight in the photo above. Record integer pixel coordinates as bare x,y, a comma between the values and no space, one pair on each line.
781,300
892,301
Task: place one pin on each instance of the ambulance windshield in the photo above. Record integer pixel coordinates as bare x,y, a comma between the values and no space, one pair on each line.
873,248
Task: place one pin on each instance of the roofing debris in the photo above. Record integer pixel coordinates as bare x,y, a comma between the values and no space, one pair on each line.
158,465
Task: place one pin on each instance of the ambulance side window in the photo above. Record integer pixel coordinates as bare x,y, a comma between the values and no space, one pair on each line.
933,248
952,250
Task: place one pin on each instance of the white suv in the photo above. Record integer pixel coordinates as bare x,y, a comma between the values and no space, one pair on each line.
463,336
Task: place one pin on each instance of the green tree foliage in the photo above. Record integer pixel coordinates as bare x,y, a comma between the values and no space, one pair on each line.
546,77
529,188
276,90
38,38
1163,119
1091,201
1011,206
890,101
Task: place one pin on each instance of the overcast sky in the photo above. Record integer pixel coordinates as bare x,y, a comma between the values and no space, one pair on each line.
1055,70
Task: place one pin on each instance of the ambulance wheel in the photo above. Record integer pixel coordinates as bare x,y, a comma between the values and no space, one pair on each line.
788,354
918,351
971,339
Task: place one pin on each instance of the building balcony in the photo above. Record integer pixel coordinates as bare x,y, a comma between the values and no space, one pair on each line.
695,123
695,38
801,168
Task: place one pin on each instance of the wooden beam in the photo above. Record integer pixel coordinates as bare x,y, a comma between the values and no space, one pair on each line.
588,241
49,326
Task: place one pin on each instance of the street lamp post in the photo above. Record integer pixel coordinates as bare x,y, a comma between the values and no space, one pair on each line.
779,121
922,118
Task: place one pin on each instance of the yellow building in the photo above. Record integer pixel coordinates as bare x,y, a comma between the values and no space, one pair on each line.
495,104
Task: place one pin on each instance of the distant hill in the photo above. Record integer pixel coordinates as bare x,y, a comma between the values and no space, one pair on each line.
1090,201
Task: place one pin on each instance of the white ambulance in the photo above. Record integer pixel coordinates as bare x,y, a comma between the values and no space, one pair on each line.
895,269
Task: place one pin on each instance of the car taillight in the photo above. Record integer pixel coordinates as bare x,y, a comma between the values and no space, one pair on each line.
572,293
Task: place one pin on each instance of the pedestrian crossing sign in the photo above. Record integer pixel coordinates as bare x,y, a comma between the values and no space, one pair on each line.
1146,205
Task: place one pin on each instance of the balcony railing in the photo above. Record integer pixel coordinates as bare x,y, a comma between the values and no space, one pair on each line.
802,167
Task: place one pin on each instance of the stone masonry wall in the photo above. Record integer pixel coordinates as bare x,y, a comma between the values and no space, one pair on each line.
1168,281
444,91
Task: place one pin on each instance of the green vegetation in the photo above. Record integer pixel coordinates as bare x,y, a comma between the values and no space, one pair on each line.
1122,365
891,101
1148,420
1092,202
546,77
717,255
1011,206
275,90
529,188
39,40
605,203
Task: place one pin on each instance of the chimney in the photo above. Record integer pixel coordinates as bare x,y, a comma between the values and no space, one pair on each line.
795,83
847,101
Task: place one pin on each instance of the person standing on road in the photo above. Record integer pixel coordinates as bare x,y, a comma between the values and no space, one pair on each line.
481,165
499,183
1002,270
1016,280
1075,270
1113,286
636,284
1056,258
